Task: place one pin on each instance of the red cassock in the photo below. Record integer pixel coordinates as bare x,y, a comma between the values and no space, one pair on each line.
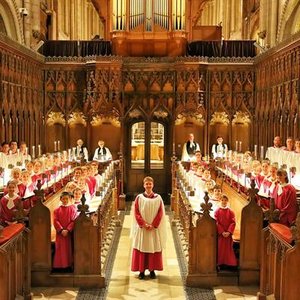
258,180
64,217
286,201
7,207
225,219
91,182
142,260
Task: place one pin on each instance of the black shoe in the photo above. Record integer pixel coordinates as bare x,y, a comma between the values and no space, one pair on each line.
152,275
141,275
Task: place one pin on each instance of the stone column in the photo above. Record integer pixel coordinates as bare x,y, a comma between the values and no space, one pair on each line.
35,22
27,21
273,22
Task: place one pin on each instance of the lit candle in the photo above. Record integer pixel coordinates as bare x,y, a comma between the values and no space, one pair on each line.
58,145
55,146
39,150
240,147
33,151
255,151
173,147
236,145
262,152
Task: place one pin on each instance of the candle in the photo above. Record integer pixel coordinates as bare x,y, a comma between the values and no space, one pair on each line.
26,151
55,146
74,152
240,147
69,154
39,150
255,151
18,151
58,145
33,152
236,145
262,152
173,147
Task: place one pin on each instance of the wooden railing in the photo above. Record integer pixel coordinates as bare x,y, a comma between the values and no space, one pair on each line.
200,232
92,233
14,263
280,272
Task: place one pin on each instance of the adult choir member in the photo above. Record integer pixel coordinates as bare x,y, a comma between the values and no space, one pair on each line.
81,151
219,149
189,148
102,153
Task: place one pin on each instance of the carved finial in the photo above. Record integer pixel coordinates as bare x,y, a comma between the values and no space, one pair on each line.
296,229
19,214
38,191
206,206
252,191
83,208
272,215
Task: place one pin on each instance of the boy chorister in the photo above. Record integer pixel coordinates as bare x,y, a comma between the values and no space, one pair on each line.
64,217
9,203
225,220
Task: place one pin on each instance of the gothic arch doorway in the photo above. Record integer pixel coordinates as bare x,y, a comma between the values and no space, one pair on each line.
147,154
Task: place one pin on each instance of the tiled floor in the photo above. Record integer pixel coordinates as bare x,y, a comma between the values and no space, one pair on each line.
125,285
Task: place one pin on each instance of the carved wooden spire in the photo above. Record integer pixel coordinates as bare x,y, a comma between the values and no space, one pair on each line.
20,214
39,192
83,208
252,191
272,215
206,206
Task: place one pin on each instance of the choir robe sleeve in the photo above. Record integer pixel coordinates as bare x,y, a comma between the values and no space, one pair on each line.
231,226
288,201
158,217
56,223
73,213
141,222
220,228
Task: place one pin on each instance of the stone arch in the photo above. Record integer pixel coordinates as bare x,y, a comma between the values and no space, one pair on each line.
12,20
288,19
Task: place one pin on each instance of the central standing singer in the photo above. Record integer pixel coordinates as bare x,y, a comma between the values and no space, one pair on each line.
148,231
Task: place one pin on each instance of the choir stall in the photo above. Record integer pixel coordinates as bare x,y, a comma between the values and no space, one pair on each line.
199,233
93,232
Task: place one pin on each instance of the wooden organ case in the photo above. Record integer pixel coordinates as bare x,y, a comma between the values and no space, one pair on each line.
146,27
